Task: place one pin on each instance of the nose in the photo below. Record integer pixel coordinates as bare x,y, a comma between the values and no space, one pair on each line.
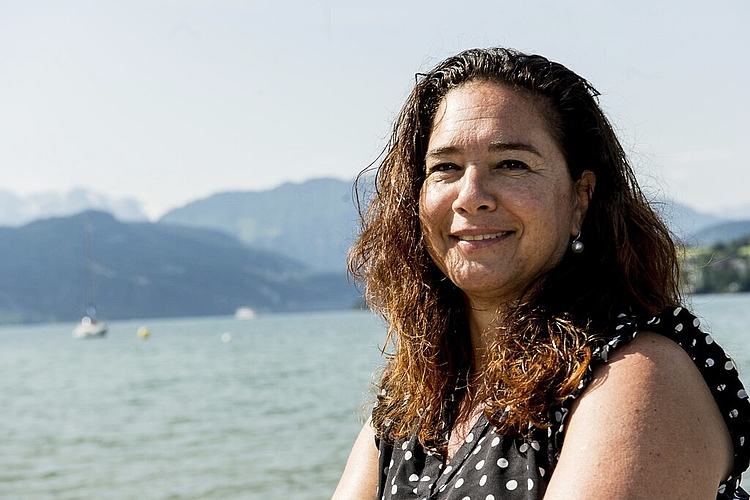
474,194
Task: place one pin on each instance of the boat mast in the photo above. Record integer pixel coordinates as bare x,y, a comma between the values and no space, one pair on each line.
90,284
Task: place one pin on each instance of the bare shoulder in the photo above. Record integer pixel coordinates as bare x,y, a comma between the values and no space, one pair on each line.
360,478
647,426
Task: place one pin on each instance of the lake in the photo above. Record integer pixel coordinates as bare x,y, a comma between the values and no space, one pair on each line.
268,411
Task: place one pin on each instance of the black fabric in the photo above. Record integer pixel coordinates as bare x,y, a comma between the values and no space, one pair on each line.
489,466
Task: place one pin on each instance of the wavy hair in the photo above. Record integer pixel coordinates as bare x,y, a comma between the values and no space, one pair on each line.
542,348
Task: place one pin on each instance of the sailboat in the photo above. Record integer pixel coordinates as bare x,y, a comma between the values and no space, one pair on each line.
90,325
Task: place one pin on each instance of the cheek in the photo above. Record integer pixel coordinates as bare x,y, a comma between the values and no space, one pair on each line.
431,219
430,214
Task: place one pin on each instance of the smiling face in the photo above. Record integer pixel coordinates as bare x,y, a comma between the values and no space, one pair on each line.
498,206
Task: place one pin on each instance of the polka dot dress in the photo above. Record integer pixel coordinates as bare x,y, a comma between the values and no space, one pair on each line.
489,466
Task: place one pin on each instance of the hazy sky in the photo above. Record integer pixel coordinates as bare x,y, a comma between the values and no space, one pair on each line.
169,101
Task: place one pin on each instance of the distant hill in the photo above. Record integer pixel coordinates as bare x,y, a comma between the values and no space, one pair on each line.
313,222
685,221
151,270
722,233
17,210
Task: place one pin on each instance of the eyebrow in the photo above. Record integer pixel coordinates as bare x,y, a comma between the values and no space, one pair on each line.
495,146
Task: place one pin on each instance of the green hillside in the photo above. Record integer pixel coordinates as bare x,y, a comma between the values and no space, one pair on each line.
719,268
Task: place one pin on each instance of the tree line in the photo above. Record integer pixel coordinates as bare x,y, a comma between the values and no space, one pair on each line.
720,268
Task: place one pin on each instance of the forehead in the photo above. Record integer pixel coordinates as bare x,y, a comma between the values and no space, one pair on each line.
485,106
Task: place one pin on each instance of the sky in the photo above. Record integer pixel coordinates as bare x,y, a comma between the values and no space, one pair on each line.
171,101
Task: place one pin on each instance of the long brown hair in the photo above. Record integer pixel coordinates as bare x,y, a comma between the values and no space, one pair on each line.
543,346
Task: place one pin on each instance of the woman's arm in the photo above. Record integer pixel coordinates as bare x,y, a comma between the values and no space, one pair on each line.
646,427
360,478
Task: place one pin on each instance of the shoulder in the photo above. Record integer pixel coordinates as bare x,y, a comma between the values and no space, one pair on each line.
360,478
645,423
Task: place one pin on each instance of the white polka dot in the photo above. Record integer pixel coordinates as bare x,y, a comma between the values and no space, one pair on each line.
490,497
415,491
709,362
729,365
696,322
709,339
495,441
558,416
394,489
511,485
405,445
742,440
733,414
677,311
535,445
459,483
466,498
742,394
502,463
483,480
479,465
407,455
425,479
542,472
523,447
448,469
470,437
721,387
678,327
413,478
477,449
390,464
530,484
442,488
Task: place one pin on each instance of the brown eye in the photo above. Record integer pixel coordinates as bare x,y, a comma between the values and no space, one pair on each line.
442,167
512,165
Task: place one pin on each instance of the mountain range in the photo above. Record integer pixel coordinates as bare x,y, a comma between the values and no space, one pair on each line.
314,222
16,210
278,250
143,269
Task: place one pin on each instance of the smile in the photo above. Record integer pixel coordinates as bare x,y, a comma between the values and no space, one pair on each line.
480,237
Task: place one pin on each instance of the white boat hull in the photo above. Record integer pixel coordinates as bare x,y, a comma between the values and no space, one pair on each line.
88,328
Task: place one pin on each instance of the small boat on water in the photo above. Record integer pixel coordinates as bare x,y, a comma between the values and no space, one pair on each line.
244,313
90,327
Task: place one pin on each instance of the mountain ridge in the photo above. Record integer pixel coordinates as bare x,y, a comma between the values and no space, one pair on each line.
144,269
313,222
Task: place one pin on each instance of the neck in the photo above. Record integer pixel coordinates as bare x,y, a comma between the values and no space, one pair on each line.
482,318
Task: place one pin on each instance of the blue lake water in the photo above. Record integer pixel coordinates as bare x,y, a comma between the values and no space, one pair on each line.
269,415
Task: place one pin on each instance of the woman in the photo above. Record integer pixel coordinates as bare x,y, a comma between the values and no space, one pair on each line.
532,302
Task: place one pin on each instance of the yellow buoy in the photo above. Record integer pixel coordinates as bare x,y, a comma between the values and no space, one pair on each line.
143,333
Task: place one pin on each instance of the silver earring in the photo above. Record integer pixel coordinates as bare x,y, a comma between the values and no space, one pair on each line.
577,246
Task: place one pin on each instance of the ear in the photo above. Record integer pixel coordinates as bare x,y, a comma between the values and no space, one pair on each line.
584,190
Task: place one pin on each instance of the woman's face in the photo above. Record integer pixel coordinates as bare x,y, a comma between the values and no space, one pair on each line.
498,206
